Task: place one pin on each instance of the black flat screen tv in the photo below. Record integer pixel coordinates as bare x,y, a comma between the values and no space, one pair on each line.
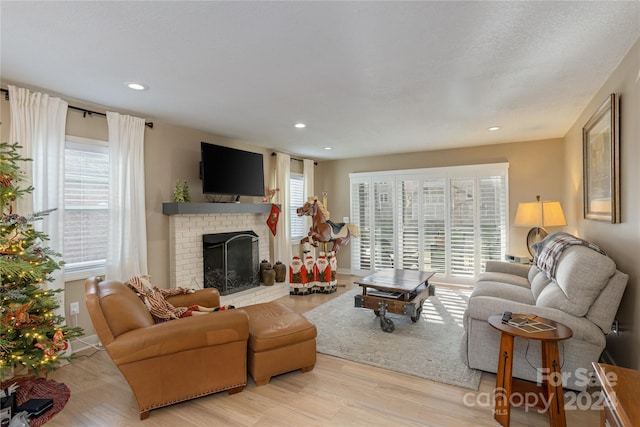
229,171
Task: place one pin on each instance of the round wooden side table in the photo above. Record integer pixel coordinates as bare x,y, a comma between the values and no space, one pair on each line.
551,388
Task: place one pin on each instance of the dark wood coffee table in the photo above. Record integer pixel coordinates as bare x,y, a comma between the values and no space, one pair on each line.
395,291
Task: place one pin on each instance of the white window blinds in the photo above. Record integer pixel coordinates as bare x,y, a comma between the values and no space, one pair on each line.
433,224
86,207
361,215
383,224
493,217
462,217
296,196
446,220
408,224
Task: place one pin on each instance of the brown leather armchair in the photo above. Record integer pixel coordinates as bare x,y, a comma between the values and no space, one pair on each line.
169,362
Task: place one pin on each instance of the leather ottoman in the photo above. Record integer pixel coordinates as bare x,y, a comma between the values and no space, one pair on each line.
280,340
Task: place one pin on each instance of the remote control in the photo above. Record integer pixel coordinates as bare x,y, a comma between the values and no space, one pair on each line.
506,316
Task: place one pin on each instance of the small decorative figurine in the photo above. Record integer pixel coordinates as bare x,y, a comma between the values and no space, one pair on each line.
268,194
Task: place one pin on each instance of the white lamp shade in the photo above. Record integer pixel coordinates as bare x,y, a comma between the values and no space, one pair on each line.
540,214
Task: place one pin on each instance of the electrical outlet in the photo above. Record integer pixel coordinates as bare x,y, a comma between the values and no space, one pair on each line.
74,308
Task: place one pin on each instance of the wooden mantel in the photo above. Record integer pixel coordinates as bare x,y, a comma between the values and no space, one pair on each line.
214,208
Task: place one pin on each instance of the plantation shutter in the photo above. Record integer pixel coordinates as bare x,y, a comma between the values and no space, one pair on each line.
461,215
383,224
446,220
361,216
493,214
408,226
434,225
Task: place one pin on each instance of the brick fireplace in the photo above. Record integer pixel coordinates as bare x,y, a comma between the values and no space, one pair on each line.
231,261
188,222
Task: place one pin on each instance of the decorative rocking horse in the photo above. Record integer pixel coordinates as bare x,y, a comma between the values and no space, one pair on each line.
323,230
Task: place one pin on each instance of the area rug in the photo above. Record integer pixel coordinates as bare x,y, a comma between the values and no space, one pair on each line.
429,348
40,388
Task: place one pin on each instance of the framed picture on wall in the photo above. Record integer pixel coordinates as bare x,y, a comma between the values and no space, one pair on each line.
601,162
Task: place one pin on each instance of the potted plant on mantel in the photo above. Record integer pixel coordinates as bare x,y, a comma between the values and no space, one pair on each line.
32,334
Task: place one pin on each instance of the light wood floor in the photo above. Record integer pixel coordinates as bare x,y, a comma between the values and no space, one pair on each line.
336,393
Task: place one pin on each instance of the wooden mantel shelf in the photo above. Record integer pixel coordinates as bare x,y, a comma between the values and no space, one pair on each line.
214,208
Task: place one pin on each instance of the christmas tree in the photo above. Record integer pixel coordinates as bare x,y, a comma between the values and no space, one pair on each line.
32,334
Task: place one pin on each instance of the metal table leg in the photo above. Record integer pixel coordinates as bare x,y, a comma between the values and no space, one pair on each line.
385,323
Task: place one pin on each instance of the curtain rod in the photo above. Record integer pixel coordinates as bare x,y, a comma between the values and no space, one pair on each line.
294,158
83,110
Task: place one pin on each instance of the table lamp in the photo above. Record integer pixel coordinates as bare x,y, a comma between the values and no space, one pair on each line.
539,215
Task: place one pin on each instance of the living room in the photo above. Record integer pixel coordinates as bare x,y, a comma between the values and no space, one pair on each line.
551,167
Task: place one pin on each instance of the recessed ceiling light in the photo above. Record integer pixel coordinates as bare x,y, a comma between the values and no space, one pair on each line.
328,148
136,86
492,128
300,125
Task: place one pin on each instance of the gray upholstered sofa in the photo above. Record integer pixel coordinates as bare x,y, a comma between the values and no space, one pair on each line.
584,295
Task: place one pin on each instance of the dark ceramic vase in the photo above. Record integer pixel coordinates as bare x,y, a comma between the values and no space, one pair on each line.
264,265
269,276
281,271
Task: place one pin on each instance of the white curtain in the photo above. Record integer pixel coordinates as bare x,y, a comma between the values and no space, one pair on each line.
38,124
309,190
282,241
127,254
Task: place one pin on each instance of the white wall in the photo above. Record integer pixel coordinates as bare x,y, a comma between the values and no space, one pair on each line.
620,241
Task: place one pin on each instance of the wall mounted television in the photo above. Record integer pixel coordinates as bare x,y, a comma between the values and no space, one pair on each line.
229,171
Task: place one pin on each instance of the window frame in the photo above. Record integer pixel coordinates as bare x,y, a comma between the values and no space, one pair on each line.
363,252
84,269
295,220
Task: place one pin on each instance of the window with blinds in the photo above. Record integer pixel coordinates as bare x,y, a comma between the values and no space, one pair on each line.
298,224
462,216
447,220
361,216
383,225
434,216
408,224
493,217
86,207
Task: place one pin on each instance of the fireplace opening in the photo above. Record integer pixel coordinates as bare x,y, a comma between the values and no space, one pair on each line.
231,261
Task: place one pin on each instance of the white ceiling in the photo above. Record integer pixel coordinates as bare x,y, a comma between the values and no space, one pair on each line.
367,78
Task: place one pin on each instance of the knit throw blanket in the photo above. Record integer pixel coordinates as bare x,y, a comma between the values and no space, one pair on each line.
549,251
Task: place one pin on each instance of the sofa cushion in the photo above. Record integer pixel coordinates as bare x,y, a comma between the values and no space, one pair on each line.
513,268
581,274
538,280
512,279
504,291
